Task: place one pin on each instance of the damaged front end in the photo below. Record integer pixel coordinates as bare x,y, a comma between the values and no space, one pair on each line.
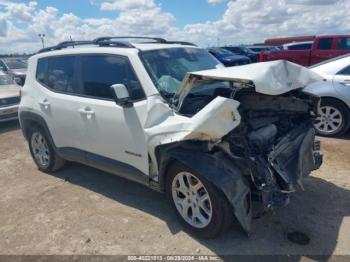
258,144
276,139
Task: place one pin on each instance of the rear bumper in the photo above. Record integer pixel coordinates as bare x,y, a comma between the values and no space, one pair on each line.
8,113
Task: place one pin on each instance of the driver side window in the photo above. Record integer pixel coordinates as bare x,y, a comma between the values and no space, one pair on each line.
98,72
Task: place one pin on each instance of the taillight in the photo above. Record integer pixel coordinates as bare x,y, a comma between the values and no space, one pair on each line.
262,57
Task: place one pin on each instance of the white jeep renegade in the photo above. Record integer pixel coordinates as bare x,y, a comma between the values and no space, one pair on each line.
170,116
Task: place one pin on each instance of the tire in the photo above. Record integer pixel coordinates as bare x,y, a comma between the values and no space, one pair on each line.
42,151
334,119
218,220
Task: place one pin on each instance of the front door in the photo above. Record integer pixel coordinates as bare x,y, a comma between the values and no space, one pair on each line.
113,134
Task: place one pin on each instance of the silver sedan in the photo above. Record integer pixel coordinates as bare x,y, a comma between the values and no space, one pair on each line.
9,98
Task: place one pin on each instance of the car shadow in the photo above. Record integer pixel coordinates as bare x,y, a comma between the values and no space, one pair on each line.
9,126
317,211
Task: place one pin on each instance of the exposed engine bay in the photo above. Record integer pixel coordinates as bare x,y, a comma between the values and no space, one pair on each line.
275,140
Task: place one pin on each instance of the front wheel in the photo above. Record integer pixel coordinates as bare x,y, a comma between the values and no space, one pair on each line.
200,206
334,119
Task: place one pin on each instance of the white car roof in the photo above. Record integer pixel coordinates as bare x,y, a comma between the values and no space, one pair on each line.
333,66
153,46
104,49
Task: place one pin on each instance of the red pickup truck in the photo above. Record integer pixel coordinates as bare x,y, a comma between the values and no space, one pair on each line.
323,48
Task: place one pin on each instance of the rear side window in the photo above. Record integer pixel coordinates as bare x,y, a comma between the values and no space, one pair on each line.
57,73
345,71
41,71
325,43
300,47
99,72
343,43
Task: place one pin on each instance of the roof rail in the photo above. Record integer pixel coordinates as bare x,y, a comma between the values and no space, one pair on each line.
65,44
110,38
181,43
109,41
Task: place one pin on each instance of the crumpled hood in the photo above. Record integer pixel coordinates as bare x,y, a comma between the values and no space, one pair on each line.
270,78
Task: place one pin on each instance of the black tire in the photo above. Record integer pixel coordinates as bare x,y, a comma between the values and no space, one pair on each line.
55,162
222,212
345,116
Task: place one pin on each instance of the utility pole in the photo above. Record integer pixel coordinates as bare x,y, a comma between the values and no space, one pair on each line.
42,36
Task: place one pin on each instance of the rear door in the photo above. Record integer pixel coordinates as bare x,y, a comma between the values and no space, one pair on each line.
57,102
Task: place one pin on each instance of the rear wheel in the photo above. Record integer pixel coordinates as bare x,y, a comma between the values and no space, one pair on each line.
334,119
42,151
200,206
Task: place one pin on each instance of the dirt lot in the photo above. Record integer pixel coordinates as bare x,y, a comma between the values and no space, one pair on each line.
81,210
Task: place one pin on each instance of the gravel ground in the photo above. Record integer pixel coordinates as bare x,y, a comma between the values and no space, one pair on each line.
80,210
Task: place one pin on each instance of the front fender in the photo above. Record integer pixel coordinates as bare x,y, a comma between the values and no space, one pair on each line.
221,171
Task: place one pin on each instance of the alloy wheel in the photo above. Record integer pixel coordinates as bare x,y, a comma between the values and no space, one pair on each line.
329,121
192,199
40,149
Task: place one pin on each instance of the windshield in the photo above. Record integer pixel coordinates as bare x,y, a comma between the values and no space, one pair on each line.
168,67
15,64
247,50
6,80
220,51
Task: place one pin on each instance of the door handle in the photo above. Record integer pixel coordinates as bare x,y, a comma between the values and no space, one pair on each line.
45,103
87,111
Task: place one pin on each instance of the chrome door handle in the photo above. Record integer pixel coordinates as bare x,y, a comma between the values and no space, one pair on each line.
87,111
45,103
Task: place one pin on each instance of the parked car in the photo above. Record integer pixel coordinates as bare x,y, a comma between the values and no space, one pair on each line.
323,48
297,46
285,40
261,48
334,91
228,58
212,140
9,98
17,68
242,50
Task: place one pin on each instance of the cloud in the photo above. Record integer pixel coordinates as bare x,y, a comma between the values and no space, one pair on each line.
249,21
217,1
128,5
244,21
19,11
3,27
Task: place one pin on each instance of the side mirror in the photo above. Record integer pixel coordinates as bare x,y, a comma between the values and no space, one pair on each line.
19,81
121,95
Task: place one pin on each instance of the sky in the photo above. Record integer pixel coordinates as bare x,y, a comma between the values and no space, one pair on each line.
204,22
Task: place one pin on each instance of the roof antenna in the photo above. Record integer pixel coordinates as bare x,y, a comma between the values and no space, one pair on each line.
71,39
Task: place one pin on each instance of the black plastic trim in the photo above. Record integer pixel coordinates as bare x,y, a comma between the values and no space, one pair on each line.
27,119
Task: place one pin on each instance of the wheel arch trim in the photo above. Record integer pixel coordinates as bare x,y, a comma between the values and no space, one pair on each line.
219,170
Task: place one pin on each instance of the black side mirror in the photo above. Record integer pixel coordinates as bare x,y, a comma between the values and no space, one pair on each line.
121,95
19,81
